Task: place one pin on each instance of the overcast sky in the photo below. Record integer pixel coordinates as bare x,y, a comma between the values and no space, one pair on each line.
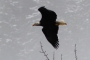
19,40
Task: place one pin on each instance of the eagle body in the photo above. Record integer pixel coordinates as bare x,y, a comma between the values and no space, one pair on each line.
50,30
50,25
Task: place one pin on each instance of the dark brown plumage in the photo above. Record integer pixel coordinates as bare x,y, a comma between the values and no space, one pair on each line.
48,22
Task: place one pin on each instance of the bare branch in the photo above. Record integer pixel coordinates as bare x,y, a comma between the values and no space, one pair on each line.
53,55
75,52
61,56
44,52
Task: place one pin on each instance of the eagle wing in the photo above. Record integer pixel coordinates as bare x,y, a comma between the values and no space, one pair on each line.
48,16
51,36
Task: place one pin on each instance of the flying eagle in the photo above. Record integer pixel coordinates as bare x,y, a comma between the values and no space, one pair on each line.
50,25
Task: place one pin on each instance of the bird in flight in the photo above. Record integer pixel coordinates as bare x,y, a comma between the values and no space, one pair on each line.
50,25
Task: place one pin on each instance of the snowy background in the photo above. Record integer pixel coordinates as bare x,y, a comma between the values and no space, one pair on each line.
19,40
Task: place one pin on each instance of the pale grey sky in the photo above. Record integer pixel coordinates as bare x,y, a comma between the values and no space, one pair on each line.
19,40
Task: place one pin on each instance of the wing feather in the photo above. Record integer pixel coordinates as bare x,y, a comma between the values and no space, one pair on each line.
51,36
48,16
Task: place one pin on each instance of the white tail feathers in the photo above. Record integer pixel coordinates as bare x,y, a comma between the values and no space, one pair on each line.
61,22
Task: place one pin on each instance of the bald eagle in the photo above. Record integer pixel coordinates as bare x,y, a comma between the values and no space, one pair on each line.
50,25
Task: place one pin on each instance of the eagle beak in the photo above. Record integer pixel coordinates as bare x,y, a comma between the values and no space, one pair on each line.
36,24
33,25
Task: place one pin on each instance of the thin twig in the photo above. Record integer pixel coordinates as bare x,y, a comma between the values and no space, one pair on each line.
61,56
53,55
43,51
75,52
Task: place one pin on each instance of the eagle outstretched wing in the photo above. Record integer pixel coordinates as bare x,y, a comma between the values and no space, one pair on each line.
51,36
48,16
